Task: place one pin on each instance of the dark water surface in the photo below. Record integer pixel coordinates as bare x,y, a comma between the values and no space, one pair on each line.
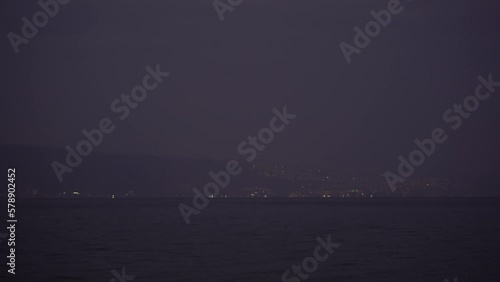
256,240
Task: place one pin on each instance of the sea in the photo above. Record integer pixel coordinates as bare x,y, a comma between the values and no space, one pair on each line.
147,240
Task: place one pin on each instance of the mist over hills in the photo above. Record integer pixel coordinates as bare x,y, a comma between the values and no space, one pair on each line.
103,174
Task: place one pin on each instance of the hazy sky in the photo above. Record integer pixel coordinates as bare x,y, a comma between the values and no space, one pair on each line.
227,76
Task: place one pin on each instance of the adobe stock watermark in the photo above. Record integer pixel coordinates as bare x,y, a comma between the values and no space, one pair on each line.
121,277
221,179
121,107
39,20
372,29
310,264
453,116
221,7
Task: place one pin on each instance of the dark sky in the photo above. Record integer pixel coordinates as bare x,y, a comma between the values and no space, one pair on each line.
227,76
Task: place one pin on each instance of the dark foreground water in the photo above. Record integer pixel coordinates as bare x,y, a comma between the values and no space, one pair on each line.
243,240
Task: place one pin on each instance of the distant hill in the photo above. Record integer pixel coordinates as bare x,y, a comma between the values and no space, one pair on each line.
105,174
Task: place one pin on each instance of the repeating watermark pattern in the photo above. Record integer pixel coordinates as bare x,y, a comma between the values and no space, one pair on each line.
122,107
222,178
310,264
121,277
39,20
221,7
454,116
372,29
